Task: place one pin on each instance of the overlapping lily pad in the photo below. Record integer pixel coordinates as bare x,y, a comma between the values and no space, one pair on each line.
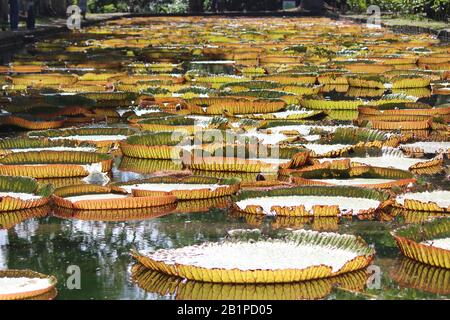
434,201
308,94
99,136
92,197
54,164
184,188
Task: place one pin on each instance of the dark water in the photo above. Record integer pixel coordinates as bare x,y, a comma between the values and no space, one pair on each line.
101,250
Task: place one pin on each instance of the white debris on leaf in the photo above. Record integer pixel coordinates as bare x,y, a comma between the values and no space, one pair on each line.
82,149
271,160
259,255
167,187
428,146
265,138
91,137
96,176
443,243
122,111
311,138
19,195
441,198
22,285
346,204
285,114
200,121
402,163
141,111
325,148
355,181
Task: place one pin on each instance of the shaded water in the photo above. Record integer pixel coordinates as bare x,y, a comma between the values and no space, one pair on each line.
101,249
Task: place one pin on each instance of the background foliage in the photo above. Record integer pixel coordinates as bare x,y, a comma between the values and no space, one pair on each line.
434,9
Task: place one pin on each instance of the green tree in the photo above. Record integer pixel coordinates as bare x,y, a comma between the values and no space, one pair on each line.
53,7
196,6
3,11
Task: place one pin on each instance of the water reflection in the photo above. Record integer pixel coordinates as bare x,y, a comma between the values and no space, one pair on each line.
99,242
179,289
202,205
116,214
412,274
10,219
101,250
410,216
3,243
212,67
288,222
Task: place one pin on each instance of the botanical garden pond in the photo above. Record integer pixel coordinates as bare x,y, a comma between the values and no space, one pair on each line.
135,152
101,249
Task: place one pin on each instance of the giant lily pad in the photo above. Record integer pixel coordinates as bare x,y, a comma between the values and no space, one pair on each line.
428,243
26,285
54,164
302,255
185,188
92,197
18,193
156,282
311,201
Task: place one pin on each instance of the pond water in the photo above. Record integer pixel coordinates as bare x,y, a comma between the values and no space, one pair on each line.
101,251
99,244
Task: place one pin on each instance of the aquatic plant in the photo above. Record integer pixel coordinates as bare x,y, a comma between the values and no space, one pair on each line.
18,193
93,197
157,145
243,261
184,188
157,282
53,164
425,201
26,285
427,243
311,201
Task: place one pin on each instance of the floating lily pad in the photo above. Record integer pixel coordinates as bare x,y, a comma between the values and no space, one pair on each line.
302,255
26,285
428,243
311,201
18,193
92,197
